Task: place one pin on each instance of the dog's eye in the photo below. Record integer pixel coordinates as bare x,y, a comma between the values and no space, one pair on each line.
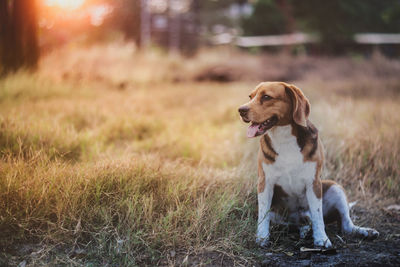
250,96
265,98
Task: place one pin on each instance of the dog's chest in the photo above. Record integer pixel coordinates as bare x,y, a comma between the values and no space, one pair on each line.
289,170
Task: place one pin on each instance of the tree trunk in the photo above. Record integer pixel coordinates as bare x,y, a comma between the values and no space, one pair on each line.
6,37
30,30
18,35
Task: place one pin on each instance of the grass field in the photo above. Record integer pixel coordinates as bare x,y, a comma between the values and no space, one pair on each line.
113,157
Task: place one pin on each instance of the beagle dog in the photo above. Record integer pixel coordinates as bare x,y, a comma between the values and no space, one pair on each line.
290,161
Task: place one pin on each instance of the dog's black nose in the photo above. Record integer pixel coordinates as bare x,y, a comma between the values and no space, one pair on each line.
243,110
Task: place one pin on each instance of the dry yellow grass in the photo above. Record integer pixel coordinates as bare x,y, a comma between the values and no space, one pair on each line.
109,156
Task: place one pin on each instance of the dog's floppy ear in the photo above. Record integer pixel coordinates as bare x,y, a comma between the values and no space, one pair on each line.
300,104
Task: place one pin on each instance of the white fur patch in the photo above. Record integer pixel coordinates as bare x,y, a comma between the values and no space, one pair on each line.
289,169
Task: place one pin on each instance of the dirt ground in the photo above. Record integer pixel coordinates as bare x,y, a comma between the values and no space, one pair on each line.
380,252
286,249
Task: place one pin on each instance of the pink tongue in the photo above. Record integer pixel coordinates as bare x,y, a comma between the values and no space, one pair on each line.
252,130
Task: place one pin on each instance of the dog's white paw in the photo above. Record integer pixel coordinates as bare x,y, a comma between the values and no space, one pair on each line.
263,242
323,242
365,232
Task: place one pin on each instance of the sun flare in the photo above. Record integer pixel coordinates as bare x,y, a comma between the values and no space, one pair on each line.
67,4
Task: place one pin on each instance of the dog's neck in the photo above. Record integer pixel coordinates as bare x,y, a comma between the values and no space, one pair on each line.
281,134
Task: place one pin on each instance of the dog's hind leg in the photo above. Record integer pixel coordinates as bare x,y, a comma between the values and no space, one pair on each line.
305,227
276,218
304,230
335,202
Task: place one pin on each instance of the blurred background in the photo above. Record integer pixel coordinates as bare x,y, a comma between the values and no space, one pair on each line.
32,28
121,144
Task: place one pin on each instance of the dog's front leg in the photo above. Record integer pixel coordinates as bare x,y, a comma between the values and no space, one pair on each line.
264,215
317,219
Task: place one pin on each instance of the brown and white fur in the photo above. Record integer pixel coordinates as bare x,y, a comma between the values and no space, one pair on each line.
290,162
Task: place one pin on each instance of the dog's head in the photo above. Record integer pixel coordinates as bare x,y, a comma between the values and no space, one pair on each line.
272,104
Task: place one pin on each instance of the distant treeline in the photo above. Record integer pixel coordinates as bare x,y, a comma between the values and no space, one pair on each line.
334,21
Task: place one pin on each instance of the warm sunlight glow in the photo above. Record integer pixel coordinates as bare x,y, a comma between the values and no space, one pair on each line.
69,4
98,14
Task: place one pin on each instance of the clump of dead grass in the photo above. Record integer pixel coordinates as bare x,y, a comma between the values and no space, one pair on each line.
20,138
144,207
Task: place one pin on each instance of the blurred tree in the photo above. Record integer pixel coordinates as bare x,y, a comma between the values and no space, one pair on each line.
269,17
216,12
132,23
125,17
336,21
18,35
